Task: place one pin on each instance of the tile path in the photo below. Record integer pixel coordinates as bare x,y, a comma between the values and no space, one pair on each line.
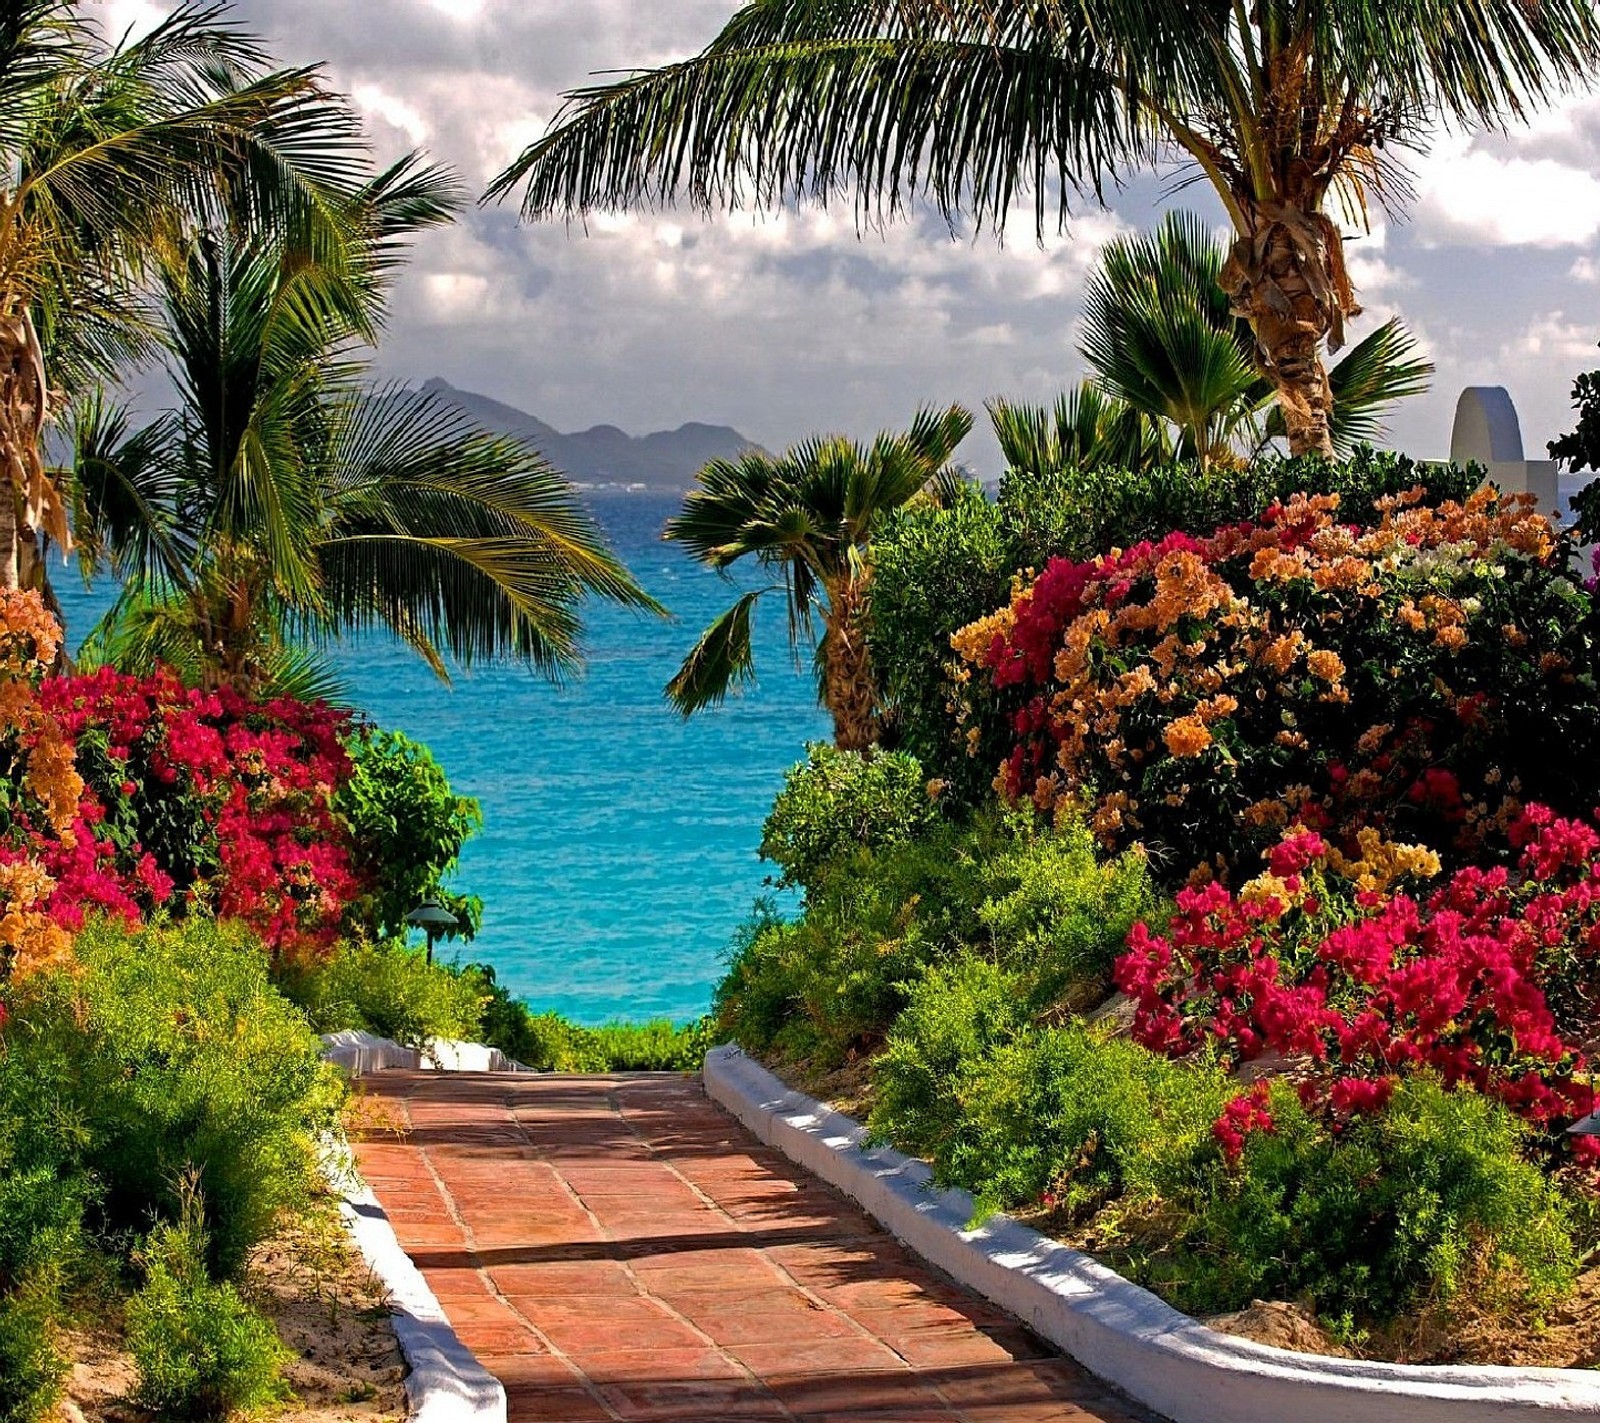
619,1248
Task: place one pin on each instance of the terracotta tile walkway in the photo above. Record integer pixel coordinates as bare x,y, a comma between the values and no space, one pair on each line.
619,1248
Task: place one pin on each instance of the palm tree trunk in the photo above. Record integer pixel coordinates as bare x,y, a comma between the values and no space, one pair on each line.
1287,278
33,505
849,689
10,540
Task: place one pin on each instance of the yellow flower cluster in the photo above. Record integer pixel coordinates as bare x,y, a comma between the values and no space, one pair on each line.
1381,864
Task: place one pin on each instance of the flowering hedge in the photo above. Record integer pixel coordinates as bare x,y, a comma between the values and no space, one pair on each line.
1423,677
1333,964
133,796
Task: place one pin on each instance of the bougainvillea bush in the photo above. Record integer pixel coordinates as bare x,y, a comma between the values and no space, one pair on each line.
1358,971
1424,677
136,797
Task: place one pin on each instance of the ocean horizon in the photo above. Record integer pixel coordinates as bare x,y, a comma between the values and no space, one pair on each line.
618,855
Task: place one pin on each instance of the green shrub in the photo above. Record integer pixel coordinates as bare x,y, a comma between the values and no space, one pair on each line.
547,1042
201,1351
830,985
936,568
1017,1113
408,827
1077,513
175,1051
31,1369
391,990
827,987
1058,913
1403,1208
550,1043
837,803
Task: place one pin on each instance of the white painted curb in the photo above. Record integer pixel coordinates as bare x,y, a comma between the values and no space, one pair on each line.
1114,1328
446,1384
357,1052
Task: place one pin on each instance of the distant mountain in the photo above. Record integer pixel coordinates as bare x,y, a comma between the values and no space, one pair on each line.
604,456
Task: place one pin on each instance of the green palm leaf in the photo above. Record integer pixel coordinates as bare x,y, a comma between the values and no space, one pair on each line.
719,662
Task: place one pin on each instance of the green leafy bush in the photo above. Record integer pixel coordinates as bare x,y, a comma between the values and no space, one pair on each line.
547,1042
1401,1208
172,1051
391,990
830,985
1017,1113
1057,911
201,1351
837,803
935,568
408,827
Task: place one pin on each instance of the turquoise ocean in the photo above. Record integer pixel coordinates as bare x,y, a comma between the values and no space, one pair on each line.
618,853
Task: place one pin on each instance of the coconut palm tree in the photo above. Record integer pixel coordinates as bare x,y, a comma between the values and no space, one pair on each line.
103,148
284,502
806,516
1282,106
1160,336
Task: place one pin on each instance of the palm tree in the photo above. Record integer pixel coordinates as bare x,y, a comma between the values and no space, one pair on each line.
807,516
1281,105
102,148
284,502
1086,429
1160,337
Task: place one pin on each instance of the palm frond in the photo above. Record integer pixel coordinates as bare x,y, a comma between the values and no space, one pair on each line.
965,105
1086,429
720,661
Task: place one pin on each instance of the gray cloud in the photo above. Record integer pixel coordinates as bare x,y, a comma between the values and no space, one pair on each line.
797,324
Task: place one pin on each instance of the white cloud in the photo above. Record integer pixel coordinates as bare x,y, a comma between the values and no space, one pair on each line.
1585,269
1470,195
377,102
1551,336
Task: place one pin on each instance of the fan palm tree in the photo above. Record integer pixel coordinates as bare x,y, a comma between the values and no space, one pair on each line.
103,148
284,502
1281,105
807,516
1160,336
1086,429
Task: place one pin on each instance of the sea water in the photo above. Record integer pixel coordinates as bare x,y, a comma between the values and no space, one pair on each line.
618,853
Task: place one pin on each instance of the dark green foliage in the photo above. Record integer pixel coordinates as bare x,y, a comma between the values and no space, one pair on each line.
1078,513
391,990
837,803
1403,1207
831,984
937,570
201,1351
1580,448
409,827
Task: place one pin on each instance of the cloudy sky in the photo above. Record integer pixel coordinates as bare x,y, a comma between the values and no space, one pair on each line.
795,325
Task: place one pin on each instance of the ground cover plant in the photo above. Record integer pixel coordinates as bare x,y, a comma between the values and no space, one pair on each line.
1305,771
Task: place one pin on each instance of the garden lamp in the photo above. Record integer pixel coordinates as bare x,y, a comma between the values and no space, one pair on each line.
433,919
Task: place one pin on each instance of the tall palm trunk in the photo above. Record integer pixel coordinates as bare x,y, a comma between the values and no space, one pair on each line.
1286,276
849,689
32,503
